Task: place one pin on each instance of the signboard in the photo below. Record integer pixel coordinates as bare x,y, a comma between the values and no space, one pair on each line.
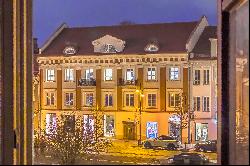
152,129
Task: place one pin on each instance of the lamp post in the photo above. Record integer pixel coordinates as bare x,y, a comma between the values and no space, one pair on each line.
140,92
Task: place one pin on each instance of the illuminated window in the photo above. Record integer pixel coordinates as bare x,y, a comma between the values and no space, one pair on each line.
151,73
50,123
152,130
89,74
108,100
69,123
206,77
129,100
50,98
88,124
108,74
197,103
174,73
151,48
206,104
109,126
89,99
69,50
69,74
69,99
50,75
201,131
130,74
197,77
174,99
152,100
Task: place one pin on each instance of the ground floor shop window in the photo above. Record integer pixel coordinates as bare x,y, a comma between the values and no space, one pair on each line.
88,124
50,123
152,129
109,130
69,123
201,131
174,123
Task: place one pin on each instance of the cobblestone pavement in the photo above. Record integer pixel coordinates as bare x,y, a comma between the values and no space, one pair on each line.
124,153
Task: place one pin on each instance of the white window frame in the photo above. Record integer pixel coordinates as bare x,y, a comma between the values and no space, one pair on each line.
206,74
86,94
129,99
71,101
173,71
88,76
49,97
88,123
50,75
150,99
129,73
197,77
68,75
195,105
206,104
175,94
150,75
108,78
112,101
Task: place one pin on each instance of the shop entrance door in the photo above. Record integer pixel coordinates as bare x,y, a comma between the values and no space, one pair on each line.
128,130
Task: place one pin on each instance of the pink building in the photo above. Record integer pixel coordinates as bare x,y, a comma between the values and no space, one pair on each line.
203,86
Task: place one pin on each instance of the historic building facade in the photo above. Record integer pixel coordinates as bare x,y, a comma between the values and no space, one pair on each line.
138,75
203,86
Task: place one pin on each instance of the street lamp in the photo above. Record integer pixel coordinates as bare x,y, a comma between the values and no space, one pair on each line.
141,95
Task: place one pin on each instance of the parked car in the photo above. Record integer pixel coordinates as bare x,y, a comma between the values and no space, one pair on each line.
207,146
162,141
188,158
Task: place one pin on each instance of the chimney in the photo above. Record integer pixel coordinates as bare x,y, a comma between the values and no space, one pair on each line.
35,46
213,47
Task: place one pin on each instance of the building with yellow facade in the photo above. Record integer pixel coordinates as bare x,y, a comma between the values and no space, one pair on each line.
139,75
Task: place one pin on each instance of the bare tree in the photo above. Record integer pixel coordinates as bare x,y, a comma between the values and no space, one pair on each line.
72,138
185,114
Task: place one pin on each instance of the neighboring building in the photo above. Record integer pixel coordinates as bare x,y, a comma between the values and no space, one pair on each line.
84,68
203,86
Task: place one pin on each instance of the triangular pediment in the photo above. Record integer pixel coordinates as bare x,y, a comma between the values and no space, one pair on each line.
108,41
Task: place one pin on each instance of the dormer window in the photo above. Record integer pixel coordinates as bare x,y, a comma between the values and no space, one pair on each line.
69,50
151,48
109,48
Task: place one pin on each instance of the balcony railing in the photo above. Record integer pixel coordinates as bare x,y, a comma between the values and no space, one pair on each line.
122,82
87,82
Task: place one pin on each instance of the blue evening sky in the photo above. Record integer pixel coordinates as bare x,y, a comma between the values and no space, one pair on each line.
49,14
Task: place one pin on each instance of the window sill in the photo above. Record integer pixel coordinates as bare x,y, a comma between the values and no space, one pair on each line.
108,81
151,108
50,106
50,81
88,106
151,80
174,80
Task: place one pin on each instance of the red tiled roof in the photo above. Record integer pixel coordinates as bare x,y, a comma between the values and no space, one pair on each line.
172,37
